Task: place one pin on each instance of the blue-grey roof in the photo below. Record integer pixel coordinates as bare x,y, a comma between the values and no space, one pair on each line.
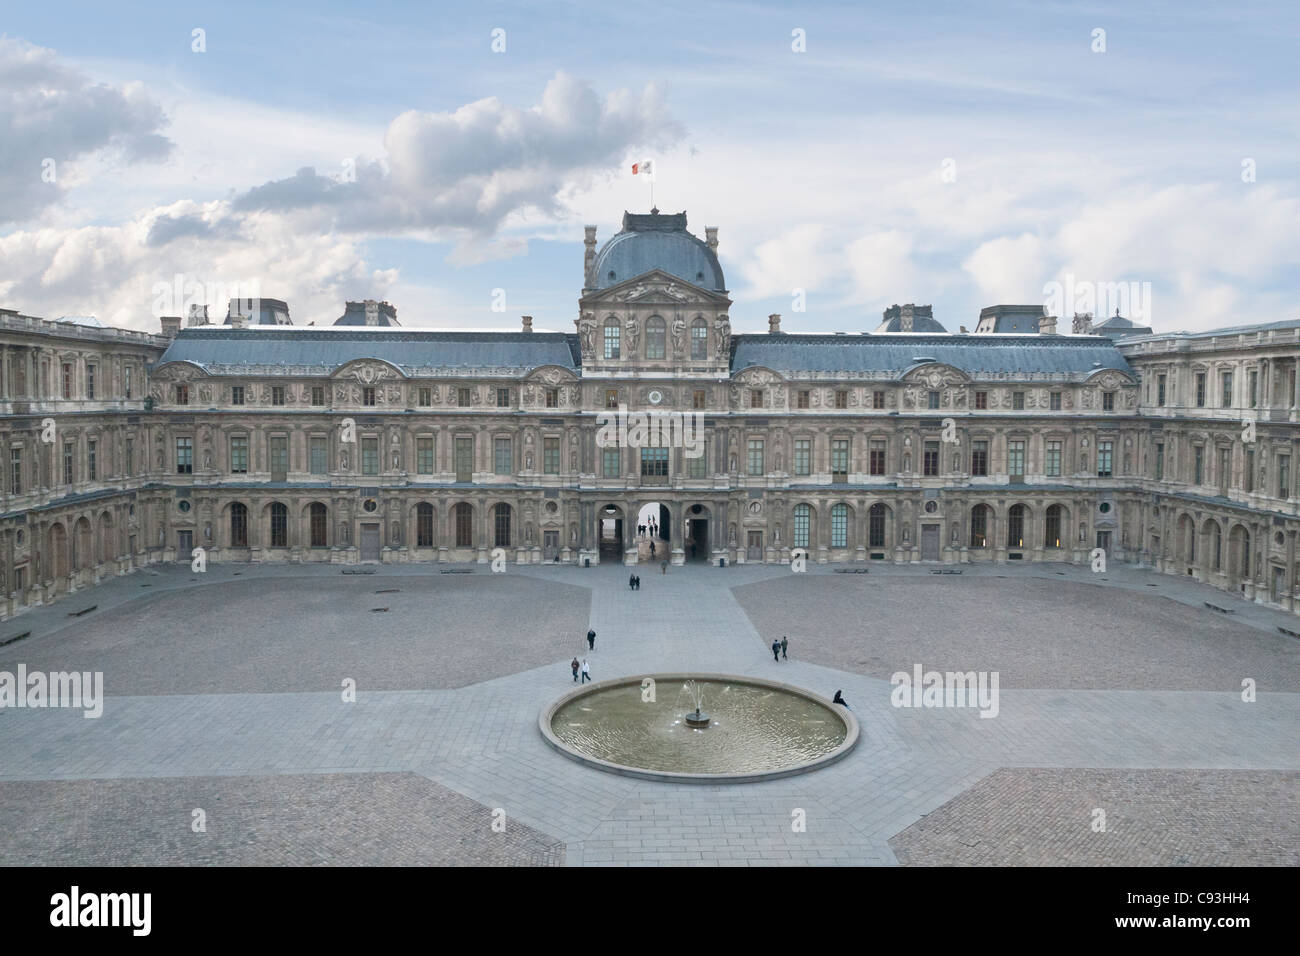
259,311
649,242
920,323
988,357
304,351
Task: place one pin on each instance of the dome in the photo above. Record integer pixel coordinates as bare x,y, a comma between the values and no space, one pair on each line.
654,241
910,318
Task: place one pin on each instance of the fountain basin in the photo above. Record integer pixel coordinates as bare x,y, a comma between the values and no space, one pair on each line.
756,729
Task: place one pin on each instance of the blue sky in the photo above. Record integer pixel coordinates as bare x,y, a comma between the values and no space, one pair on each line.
961,154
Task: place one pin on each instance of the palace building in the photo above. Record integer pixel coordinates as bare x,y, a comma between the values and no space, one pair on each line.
261,441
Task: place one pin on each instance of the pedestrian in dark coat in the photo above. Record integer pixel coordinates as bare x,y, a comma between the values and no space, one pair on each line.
574,665
776,650
785,643
591,640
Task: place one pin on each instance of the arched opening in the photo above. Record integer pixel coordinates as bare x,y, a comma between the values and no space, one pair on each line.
279,519
1213,536
981,526
501,514
1239,554
841,526
611,536
1016,526
1053,522
318,523
107,550
696,542
462,516
878,527
424,525
239,525
801,534
1187,542
83,554
59,555
653,531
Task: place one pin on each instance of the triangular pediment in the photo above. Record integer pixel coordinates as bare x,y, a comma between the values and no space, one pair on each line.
655,288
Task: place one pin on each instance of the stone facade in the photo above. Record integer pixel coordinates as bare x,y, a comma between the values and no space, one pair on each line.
403,445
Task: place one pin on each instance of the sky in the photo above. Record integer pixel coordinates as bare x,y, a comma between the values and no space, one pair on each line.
1094,156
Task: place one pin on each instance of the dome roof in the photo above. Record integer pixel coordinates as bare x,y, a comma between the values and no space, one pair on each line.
910,318
655,241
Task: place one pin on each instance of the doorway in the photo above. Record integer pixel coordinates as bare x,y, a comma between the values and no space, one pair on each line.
550,545
610,539
370,542
929,542
184,545
754,546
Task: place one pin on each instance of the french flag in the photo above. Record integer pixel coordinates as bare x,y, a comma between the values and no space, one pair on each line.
639,168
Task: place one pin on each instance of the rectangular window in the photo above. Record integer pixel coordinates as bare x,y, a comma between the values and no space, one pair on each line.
464,458
1160,389
1105,458
503,398
611,398
841,399
67,379
279,457
755,457
318,394
981,400
1225,470
90,381
128,381
424,526
1107,401
1254,388
932,399
236,395
878,456
654,463
368,396
182,394
462,397
839,527
185,456
1016,461
1054,402
370,456
424,455
611,340
503,459
755,398
611,464
1225,390
801,400
1052,466
552,398
1160,461
930,466
1018,401
92,466
1198,464
551,456
803,456
319,454
840,459
1200,389
1284,476
15,471
69,449
699,398
425,397
130,458
239,455
1248,472
877,399
801,515
277,395
698,467
979,458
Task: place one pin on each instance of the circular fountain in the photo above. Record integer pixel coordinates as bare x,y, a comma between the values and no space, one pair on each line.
657,727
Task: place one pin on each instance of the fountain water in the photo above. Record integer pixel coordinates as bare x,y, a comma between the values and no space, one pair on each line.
696,718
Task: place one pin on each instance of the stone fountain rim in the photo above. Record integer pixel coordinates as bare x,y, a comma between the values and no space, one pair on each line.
839,753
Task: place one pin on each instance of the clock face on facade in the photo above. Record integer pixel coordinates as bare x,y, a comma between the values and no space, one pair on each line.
655,396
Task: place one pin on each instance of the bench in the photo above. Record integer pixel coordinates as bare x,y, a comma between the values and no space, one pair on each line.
945,571
1284,630
379,609
358,570
852,570
84,610
15,639
388,591
458,571
1216,607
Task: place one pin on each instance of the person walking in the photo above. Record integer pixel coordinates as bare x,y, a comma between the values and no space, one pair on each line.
591,640
663,567
636,582
776,650
785,643
631,582
652,548
574,665
586,671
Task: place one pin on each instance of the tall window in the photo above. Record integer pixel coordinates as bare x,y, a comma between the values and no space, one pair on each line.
69,449
877,399
877,456
803,456
699,398
1052,465
277,395
755,461
1160,389
1054,402
839,526
503,398
1198,464
1160,461
279,457
370,456
15,471
279,526
238,525
1248,472
698,467
463,397
90,381
1016,461
367,396
129,464
611,398
981,400
424,455
1225,389
612,331
979,526
842,399
755,398
979,458
502,459
1107,401
319,524
239,454
840,459
1200,389
699,341
92,464
802,398
802,516
319,454
318,394
552,398
67,379
1016,527
1254,387
932,399
1284,476
182,394
1052,527
656,336
425,397
930,466
610,462
127,372
185,456
424,525
501,527
1105,458
236,395
1018,401
654,463
551,456
464,518
464,458
876,526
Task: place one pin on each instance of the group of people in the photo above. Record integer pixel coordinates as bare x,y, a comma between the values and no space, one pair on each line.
634,582
584,668
651,528
779,648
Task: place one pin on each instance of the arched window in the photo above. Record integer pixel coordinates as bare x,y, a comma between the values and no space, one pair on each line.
501,527
238,525
1052,527
612,332
1245,554
699,340
1016,527
876,525
802,516
656,338
840,526
279,526
319,525
979,526
424,525
1216,546
463,514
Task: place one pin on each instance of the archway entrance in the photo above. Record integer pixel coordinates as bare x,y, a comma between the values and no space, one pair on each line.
654,530
609,533
697,545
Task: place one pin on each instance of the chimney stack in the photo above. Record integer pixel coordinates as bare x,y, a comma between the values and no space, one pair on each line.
171,324
1082,323
528,323
1047,325
774,323
905,318
590,255
711,237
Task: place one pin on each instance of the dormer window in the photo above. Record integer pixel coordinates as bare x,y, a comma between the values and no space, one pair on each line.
611,275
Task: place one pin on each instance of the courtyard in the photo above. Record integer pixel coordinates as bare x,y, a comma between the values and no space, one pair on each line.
226,702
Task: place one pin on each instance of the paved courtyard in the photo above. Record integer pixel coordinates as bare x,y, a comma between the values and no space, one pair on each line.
223,694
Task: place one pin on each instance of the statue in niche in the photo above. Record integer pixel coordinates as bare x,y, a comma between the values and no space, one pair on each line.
397,533
207,458
631,334
343,460
573,461
679,334
528,462
724,338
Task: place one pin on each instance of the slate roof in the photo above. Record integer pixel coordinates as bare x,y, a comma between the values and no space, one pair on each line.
988,357
305,351
654,241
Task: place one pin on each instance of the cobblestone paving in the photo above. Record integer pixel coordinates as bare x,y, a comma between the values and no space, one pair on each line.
389,819
1038,633
257,722
262,635
1152,818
